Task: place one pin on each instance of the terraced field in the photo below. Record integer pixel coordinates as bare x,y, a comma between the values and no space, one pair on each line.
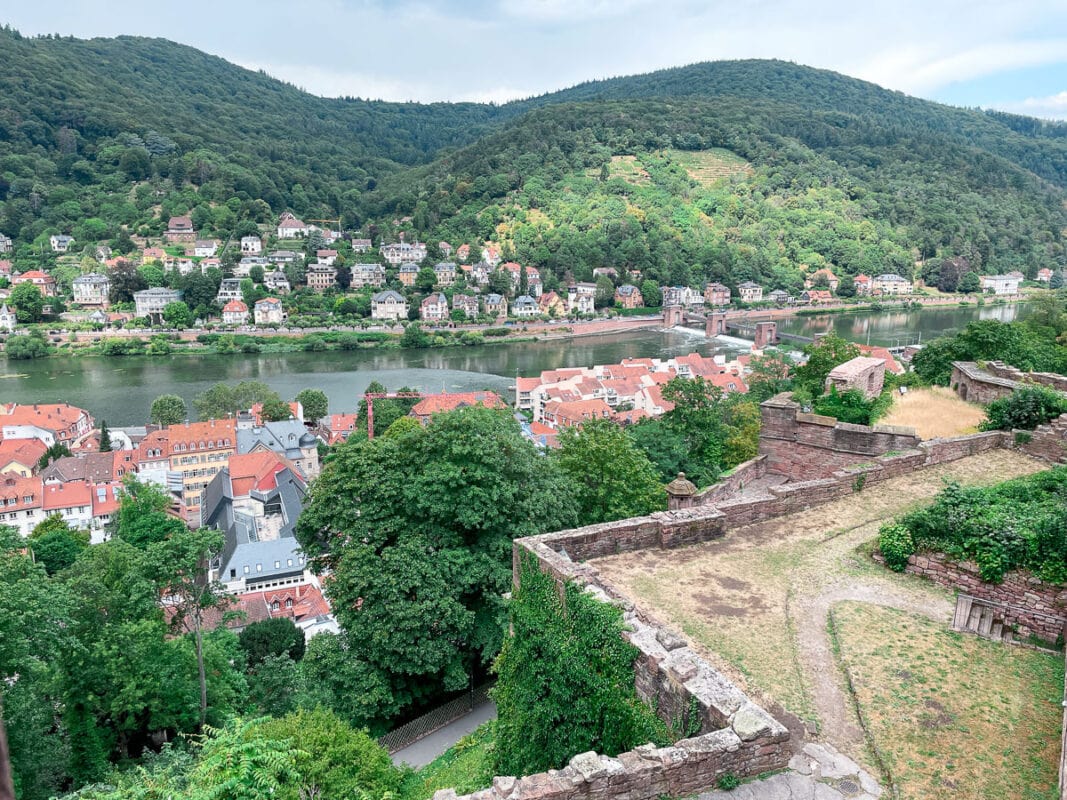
708,167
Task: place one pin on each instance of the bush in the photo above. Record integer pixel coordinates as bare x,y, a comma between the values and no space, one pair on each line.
26,347
896,544
1025,409
851,406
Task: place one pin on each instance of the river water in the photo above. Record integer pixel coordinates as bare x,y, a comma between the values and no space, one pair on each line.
120,390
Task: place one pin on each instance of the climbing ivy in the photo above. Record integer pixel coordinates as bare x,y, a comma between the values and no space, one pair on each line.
566,680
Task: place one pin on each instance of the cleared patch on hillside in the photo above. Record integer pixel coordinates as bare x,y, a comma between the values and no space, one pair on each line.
708,167
626,167
934,412
952,715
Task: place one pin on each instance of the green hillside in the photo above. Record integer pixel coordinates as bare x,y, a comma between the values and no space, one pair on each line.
727,170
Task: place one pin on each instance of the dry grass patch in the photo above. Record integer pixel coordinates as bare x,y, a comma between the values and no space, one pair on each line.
954,716
626,167
934,412
740,599
708,167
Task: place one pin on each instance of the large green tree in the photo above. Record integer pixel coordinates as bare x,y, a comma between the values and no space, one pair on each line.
223,400
28,302
315,402
825,354
611,476
417,527
168,409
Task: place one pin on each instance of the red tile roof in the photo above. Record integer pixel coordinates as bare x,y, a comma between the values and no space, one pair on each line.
438,403
192,433
12,488
50,416
256,470
234,306
67,495
26,452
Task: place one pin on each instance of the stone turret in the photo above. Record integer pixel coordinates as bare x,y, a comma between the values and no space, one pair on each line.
680,492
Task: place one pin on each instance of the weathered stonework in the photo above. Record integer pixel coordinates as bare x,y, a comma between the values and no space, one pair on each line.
1031,605
862,374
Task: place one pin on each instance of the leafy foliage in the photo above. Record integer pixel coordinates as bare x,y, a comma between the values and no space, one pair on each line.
823,355
612,478
271,637
851,406
417,526
1019,524
315,402
168,409
896,545
565,680
223,400
1025,409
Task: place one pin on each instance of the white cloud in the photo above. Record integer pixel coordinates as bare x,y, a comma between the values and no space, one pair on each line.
1051,107
569,10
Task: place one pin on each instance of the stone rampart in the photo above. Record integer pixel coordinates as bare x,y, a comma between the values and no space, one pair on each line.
1047,441
1026,603
1050,379
740,476
807,446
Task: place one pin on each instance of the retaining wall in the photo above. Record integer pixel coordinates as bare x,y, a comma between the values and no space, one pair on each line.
1029,604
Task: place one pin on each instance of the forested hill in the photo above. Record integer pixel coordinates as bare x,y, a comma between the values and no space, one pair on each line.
1037,145
758,170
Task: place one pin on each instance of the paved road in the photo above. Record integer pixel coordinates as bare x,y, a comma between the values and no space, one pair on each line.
430,747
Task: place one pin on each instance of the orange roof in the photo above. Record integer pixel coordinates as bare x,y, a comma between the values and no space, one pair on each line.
32,275
67,495
573,412
256,470
438,403
50,416
874,351
22,451
630,417
728,382
192,433
526,384
156,440
106,498
234,306
655,394
257,411
12,488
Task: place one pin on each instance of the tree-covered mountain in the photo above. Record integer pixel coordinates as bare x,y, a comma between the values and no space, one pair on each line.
729,170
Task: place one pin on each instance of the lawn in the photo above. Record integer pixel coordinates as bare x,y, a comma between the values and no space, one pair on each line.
466,767
953,716
708,167
933,412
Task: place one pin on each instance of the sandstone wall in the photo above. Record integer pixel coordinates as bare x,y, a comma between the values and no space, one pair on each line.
1047,441
1033,606
1050,379
741,476
808,446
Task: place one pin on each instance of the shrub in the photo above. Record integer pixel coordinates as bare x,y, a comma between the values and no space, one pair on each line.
850,406
728,781
896,543
1025,409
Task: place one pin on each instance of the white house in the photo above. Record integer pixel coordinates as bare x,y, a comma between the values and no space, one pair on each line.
750,292
434,308
1001,284
7,318
891,283
151,302
91,289
388,305
367,275
289,227
205,248
277,282
234,312
60,243
251,245
5,243
400,252
525,306
581,298
229,289
269,311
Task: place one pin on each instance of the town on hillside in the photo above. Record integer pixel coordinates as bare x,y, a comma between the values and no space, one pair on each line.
297,275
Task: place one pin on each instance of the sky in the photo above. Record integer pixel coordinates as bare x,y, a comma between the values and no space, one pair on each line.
1006,54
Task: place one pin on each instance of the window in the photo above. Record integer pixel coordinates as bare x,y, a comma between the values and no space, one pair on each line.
233,573
27,499
246,569
289,562
274,606
277,564
259,567
288,602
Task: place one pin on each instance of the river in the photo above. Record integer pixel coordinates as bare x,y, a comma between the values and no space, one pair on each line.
120,390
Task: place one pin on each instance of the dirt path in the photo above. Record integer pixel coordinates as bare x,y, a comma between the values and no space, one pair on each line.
832,705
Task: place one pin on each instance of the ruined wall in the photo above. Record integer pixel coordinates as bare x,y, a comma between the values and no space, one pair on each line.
976,385
808,446
740,476
1050,379
1032,605
1047,441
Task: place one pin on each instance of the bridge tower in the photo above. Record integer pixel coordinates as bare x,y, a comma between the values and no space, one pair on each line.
766,335
715,324
673,316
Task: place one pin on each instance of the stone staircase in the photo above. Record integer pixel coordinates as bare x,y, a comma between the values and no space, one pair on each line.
982,618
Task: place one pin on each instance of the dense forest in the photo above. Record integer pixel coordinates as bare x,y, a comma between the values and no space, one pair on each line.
733,171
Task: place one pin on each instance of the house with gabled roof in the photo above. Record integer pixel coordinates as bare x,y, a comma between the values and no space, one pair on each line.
388,305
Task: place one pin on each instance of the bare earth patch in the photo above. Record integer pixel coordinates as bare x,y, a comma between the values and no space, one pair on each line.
953,716
755,602
934,412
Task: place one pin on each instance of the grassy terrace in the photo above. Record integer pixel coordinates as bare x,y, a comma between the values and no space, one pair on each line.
953,716
756,605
